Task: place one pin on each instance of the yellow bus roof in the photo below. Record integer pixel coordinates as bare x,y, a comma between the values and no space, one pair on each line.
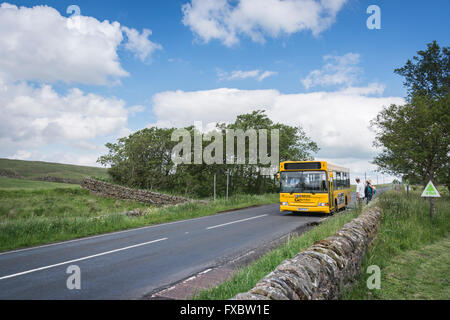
329,166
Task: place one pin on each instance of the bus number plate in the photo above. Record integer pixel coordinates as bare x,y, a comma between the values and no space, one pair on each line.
302,209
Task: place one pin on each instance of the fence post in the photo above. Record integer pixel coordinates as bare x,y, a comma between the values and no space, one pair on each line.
228,178
214,187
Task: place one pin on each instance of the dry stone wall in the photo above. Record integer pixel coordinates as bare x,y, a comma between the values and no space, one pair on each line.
57,179
7,173
324,269
115,191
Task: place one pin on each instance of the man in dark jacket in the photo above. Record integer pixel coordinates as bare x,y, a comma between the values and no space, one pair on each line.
368,191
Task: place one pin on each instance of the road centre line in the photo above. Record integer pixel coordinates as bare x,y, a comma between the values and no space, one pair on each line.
80,259
117,232
242,220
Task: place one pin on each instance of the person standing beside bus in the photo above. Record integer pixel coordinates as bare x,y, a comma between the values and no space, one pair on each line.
359,192
368,191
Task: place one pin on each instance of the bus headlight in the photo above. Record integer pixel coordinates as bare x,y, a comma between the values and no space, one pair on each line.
323,204
284,203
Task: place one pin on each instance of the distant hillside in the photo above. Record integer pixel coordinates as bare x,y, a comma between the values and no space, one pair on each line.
37,170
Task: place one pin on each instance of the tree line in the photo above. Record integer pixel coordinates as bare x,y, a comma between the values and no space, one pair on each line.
144,159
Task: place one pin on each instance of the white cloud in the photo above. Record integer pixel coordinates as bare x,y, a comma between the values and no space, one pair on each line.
360,168
371,89
180,108
227,20
239,74
139,43
266,74
340,70
35,117
68,157
87,159
136,109
338,121
21,155
41,45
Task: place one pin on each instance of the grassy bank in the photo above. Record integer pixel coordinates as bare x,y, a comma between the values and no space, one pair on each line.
248,276
419,274
37,169
44,214
411,250
20,184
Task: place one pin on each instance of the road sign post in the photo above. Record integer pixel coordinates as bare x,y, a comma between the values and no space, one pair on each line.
431,192
228,180
214,187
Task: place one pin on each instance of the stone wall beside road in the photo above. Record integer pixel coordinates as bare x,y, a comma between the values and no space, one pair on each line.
118,192
324,269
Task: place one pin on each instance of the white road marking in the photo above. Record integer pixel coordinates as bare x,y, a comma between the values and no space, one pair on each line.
243,256
80,259
242,220
159,293
117,232
206,271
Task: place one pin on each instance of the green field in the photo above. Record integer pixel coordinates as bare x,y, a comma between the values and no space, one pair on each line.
419,274
36,169
34,212
42,212
411,249
10,184
37,212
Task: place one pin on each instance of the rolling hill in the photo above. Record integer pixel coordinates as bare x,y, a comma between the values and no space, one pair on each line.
48,171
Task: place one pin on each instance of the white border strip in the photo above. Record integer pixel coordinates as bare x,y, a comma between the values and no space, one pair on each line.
225,224
79,259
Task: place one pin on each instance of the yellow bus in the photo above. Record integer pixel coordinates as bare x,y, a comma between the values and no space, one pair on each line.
313,186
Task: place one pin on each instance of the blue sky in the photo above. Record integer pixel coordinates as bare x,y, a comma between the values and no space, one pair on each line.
190,72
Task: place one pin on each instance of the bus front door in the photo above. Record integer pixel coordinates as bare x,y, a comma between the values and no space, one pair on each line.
330,195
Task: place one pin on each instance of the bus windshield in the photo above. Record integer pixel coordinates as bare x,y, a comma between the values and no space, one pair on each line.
303,182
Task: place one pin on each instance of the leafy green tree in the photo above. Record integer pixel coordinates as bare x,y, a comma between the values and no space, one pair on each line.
414,137
294,144
429,73
143,160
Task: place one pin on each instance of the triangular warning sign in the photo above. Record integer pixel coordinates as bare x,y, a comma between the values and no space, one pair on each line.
430,191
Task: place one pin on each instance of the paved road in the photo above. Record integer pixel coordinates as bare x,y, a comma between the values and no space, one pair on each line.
129,264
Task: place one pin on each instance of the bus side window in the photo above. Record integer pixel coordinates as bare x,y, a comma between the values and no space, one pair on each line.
338,180
334,180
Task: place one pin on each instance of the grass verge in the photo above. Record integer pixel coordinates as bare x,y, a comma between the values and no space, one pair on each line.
16,184
246,277
30,217
419,274
411,250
